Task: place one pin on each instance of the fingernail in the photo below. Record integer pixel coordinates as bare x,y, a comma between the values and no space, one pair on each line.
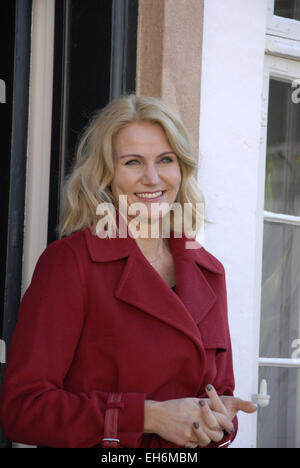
208,387
202,403
196,424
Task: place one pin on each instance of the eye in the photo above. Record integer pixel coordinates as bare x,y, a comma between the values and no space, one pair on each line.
166,159
132,162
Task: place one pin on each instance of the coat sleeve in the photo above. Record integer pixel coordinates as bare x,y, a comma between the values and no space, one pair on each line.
35,408
224,381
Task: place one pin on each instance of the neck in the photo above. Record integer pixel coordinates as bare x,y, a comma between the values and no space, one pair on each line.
151,248
150,239
152,243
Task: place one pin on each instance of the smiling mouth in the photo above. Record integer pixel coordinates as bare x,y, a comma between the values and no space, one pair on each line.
150,195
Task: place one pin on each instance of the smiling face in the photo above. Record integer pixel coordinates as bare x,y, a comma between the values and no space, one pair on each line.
146,168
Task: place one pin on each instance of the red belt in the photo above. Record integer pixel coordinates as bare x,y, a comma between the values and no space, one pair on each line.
113,405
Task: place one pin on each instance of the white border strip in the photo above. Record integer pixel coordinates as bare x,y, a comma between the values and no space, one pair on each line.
39,135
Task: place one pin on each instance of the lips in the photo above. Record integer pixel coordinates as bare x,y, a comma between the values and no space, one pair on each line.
150,195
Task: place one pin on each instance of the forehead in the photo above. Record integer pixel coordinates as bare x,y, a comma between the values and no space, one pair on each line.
141,135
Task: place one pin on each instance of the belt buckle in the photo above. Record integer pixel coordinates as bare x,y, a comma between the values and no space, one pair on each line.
111,441
225,444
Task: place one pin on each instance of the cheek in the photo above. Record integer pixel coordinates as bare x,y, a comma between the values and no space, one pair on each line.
123,182
175,179
116,185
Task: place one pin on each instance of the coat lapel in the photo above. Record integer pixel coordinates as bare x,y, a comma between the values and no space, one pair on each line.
141,286
192,285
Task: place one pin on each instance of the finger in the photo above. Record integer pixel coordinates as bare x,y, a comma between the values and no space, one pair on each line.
215,436
217,404
203,439
208,416
204,400
191,445
224,422
244,405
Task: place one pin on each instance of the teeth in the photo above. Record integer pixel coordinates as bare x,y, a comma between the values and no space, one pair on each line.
149,195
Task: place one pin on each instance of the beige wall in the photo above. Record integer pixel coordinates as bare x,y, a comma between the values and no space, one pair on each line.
170,54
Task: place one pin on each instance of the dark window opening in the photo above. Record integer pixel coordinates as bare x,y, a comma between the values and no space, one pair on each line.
287,9
7,37
94,61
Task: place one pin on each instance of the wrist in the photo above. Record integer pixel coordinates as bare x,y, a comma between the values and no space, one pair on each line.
151,416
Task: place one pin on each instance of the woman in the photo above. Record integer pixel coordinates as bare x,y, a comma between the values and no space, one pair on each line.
122,339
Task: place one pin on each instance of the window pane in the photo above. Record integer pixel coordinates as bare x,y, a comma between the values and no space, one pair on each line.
278,424
282,189
287,8
280,302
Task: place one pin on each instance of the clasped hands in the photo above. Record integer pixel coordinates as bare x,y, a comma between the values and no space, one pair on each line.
193,422
216,417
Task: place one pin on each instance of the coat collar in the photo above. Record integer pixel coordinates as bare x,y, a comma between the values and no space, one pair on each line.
141,286
106,250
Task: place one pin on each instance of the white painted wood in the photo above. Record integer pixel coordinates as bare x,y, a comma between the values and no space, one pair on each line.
39,135
287,70
281,218
283,47
231,174
277,362
281,27
282,68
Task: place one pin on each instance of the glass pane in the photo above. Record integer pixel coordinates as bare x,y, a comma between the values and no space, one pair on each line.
282,189
287,8
279,423
280,302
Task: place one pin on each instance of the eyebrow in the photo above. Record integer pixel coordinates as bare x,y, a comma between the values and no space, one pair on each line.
140,156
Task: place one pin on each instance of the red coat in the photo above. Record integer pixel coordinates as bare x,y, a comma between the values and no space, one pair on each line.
97,318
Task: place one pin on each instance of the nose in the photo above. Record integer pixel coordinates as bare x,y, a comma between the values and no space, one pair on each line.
150,175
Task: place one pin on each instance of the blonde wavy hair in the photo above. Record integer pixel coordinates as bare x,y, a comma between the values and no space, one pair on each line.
88,183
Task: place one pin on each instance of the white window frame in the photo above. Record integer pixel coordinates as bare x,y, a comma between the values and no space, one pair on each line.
286,68
280,26
232,133
39,135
